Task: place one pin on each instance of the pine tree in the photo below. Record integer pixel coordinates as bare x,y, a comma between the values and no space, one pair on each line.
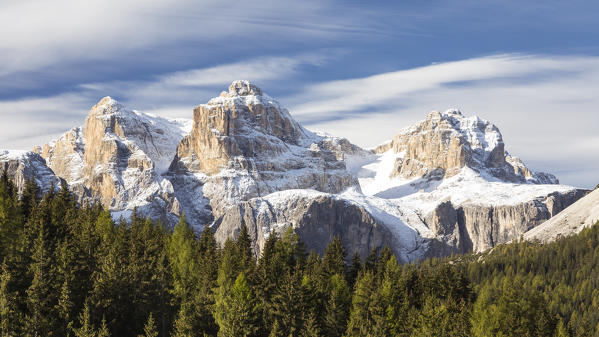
333,260
310,328
561,330
276,330
239,314
40,293
86,328
185,323
150,328
371,260
9,317
65,273
288,303
244,251
204,297
103,332
337,310
111,290
354,270
184,257
361,319
268,273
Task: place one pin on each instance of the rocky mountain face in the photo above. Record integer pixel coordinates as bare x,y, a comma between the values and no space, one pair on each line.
243,144
23,165
314,215
441,186
445,142
581,214
475,227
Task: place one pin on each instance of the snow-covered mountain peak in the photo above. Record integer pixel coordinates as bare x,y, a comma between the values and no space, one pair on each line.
445,142
242,88
107,106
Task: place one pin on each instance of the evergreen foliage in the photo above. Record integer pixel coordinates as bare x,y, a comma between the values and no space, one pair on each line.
71,270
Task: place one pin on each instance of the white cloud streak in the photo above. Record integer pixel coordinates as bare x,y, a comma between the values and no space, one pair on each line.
36,34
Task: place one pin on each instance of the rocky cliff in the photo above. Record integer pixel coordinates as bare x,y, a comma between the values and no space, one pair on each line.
581,214
23,165
478,227
317,217
445,142
243,144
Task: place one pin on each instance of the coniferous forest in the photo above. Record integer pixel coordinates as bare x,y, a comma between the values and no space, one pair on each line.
70,270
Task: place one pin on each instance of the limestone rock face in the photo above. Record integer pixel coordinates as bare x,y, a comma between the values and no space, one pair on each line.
243,144
117,158
65,155
448,141
579,215
316,217
478,227
237,127
22,165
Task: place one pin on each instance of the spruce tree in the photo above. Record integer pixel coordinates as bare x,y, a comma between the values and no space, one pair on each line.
310,328
354,270
9,315
239,314
86,327
184,257
333,260
338,306
244,251
150,328
40,293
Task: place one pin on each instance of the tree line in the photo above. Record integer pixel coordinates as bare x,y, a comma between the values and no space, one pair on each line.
71,270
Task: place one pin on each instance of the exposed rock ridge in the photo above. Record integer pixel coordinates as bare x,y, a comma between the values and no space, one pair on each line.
243,144
581,214
449,141
316,217
23,165
475,227
445,185
65,155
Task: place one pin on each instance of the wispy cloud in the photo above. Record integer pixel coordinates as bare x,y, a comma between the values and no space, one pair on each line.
36,120
37,34
195,86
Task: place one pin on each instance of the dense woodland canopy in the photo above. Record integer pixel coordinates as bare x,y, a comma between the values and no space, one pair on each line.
70,270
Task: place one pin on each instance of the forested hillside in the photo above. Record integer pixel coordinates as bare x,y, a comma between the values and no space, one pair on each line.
70,270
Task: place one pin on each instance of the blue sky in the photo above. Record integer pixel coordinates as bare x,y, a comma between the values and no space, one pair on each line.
362,70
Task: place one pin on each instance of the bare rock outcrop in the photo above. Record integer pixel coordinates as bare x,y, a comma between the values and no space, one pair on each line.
65,155
22,165
478,227
449,141
442,186
116,158
316,217
243,144
581,214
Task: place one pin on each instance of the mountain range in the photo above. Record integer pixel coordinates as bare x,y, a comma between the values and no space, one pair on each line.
444,185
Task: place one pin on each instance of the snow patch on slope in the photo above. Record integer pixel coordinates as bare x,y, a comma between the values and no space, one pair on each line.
581,214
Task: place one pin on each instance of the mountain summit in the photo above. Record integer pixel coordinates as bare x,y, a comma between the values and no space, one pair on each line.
446,142
443,185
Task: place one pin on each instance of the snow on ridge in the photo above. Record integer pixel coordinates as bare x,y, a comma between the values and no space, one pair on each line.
158,137
581,214
14,154
411,236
